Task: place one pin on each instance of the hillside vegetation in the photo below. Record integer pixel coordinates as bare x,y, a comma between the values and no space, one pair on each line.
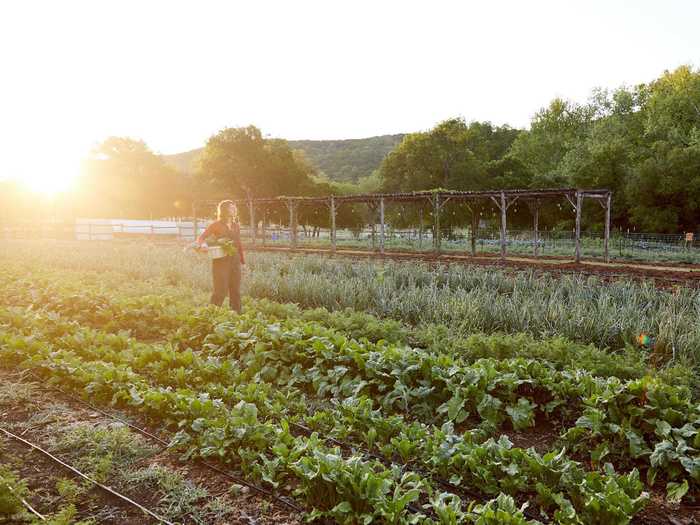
339,160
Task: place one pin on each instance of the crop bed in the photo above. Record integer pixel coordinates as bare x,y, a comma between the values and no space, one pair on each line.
662,275
351,419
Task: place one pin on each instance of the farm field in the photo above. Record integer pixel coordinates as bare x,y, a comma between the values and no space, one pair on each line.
349,391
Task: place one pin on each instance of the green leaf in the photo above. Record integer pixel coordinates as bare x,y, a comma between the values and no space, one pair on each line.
663,429
676,491
523,414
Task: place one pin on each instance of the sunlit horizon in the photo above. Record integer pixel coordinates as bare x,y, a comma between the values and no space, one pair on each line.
172,74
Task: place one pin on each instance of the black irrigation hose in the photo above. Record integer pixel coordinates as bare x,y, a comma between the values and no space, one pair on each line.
144,432
342,444
238,480
84,476
440,481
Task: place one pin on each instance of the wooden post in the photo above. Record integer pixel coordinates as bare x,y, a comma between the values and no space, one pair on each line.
504,209
607,226
537,232
579,203
194,222
475,228
381,225
292,223
253,225
436,223
420,227
333,239
262,227
373,223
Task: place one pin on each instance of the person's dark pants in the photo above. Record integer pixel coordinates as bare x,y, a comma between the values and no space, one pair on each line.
226,272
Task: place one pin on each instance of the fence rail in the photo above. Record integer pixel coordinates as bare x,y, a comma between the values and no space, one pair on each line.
646,246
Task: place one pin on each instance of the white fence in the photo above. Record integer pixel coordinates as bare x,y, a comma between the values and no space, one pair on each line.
108,229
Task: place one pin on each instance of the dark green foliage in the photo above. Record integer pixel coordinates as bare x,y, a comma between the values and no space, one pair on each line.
347,160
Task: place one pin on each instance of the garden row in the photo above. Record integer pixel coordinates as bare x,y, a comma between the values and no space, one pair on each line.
334,359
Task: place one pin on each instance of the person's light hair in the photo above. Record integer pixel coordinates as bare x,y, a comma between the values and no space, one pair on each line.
223,213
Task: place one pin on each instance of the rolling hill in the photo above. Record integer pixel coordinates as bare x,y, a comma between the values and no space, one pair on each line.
340,160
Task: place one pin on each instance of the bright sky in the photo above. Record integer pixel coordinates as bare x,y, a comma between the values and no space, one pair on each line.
173,73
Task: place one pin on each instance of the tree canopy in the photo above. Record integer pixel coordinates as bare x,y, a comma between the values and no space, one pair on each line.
122,177
239,162
642,142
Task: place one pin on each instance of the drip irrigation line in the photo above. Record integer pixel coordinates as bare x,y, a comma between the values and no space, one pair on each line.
103,412
348,446
213,467
366,453
238,480
25,503
80,474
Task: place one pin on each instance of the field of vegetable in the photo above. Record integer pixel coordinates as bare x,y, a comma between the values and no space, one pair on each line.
387,393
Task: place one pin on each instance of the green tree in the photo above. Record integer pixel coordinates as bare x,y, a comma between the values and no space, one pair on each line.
553,132
239,162
439,158
123,177
663,189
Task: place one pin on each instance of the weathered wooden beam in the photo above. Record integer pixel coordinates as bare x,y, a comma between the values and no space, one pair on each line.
253,226
372,207
194,221
333,233
292,205
608,205
579,205
444,195
475,231
504,209
536,213
263,226
436,223
420,227
381,226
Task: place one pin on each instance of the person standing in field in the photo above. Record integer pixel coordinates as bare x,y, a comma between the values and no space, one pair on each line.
226,271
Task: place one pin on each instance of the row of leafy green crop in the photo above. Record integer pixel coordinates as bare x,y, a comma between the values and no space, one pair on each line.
525,410
639,419
88,305
522,413
617,497
153,317
466,299
347,489
519,413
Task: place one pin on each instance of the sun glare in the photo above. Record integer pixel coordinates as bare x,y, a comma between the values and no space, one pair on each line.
50,182
48,172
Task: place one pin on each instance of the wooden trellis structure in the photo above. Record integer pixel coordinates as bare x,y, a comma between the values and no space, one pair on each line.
437,199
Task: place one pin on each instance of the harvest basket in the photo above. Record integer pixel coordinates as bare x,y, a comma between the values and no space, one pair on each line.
216,252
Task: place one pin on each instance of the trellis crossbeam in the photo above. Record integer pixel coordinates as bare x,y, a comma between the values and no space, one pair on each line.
503,199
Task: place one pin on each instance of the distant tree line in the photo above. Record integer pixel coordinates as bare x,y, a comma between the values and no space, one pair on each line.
642,142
